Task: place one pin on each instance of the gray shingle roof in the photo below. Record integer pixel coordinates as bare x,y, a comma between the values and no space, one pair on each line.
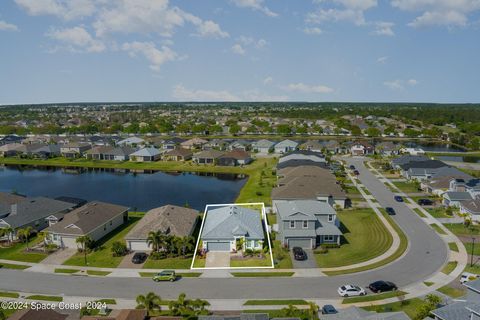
223,222
243,316
286,143
458,196
408,158
263,144
454,311
306,208
146,152
355,313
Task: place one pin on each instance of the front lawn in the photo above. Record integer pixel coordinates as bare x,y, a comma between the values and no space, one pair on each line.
296,302
439,212
410,307
459,229
102,256
373,297
302,314
452,292
365,237
407,187
261,274
18,252
281,256
251,262
168,263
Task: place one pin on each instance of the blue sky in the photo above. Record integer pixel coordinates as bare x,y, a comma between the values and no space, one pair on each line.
239,50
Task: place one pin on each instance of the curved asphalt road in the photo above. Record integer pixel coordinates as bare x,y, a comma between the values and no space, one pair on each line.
426,255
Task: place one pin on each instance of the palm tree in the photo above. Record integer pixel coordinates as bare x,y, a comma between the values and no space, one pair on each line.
185,244
149,302
9,231
291,311
25,233
155,239
84,242
313,310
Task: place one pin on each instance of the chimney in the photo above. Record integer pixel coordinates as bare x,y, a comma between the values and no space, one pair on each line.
13,209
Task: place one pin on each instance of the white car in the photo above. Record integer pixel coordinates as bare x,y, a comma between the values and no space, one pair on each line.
351,291
467,276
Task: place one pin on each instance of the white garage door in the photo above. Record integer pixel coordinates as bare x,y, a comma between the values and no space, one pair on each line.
302,243
138,246
218,246
69,242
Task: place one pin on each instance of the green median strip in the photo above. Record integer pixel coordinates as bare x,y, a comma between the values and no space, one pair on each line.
428,283
9,294
182,275
296,302
449,267
261,274
437,228
13,266
45,298
98,273
373,297
67,271
453,246
419,212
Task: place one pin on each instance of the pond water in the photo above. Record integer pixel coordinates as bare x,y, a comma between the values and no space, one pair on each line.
468,159
139,191
434,147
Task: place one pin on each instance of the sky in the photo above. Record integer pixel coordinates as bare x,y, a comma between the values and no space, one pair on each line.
54,51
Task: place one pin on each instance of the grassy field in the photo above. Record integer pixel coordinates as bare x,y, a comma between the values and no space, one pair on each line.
252,262
9,294
168,263
407,187
296,302
102,256
260,183
410,307
365,237
459,229
401,249
452,292
373,297
449,267
261,274
17,252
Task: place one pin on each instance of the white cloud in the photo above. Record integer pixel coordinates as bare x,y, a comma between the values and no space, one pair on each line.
305,88
249,41
267,80
255,95
313,30
65,9
156,57
384,29
440,12
255,5
151,16
184,94
412,82
399,84
382,60
76,39
5,26
238,49
341,10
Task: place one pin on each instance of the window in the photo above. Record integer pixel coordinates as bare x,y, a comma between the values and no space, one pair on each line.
55,237
292,224
330,217
305,224
328,238
110,222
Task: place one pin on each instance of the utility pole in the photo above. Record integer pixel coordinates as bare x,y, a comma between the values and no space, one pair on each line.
473,251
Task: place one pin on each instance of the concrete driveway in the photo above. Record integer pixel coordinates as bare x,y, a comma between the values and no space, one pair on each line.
59,256
127,262
305,264
218,259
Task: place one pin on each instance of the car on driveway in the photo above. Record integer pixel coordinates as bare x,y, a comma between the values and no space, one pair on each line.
356,172
352,167
329,309
166,275
425,202
398,198
382,286
390,211
350,290
467,276
299,254
139,257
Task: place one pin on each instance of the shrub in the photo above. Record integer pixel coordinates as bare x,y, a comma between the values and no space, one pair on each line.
321,250
259,193
119,249
157,255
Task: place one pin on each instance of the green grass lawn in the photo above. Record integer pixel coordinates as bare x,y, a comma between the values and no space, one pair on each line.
199,263
419,212
68,271
294,302
452,292
168,263
473,269
261,274
405,186
410,307
449,267
251,262
13,266
351,189
437,228
272,219
281,256
401,249
469,246
428,283
102,256
459,229
439,212
373,297
365,237
260,183
453,246
182,275
98,273
279,313
17,252
45,298
9,294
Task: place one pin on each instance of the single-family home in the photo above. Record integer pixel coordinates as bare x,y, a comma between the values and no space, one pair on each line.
237,157
6,202
33,212
45,151
95,219
357,313
110,153
224,226
178,154
464,308
285,146
307,223
312,145
413,151
242,316
9,139
38,314
454,198
11,149
218,144
207,156
169,219
263,146
132,142
74,149
239,145
302,158
194,143
170,144
387,148
405,159
361,148
421,170
471,208
145,155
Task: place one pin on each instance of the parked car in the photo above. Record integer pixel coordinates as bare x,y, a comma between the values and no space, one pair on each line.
356,172
166,275
329,309
352,167
425,202
382,286
467,276
139,257
390,211
398,198
349,290
299,254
